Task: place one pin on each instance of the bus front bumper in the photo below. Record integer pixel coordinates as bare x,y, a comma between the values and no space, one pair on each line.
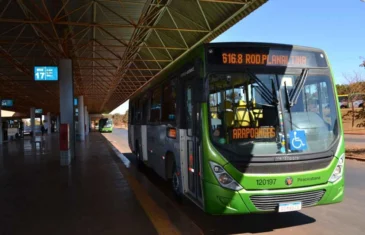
106,129
219,200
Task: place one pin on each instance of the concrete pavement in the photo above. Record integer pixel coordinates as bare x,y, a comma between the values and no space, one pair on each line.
91,196
352,140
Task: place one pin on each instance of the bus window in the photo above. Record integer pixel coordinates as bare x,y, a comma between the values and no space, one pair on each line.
155,105
145,111
169,103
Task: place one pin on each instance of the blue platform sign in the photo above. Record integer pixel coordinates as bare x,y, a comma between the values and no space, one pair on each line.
6,103
298,140
38,111
45,73
75,102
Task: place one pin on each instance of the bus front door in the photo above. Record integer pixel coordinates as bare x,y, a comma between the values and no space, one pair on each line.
192,144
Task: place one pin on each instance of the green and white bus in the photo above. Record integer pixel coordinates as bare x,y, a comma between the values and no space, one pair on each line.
106,125
244,128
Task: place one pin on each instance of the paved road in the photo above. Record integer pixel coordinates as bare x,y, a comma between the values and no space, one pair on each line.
343,218
358,140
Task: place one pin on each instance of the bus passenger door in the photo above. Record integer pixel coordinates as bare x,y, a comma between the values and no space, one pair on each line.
192,113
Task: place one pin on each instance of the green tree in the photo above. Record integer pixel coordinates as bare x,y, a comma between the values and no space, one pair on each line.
117,119
125,117
342,89
356,89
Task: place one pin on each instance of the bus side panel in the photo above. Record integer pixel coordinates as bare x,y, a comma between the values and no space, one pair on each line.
131,137
137,136
172,145
153,147
158,144
144,142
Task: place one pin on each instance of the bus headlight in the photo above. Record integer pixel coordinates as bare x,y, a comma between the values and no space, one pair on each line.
224,179
338,171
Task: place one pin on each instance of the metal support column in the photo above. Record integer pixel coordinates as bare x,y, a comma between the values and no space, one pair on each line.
66,107
81,108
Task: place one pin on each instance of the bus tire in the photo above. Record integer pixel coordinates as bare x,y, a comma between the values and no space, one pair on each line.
176,182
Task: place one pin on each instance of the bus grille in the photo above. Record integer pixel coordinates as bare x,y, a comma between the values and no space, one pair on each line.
271,202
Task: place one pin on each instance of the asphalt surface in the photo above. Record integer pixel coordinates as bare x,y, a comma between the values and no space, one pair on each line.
343,218
358,140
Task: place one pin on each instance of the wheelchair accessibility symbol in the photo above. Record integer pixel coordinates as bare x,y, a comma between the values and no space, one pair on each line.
298,140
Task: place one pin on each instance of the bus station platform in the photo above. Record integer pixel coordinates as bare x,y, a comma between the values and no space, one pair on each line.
91,196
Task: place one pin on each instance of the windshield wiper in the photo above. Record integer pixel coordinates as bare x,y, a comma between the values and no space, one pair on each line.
263,90
274,94
294,94
288,103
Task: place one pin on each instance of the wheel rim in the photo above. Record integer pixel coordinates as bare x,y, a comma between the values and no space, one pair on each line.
175,182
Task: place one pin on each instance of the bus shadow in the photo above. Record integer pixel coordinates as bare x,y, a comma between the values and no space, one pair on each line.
251,223
222,224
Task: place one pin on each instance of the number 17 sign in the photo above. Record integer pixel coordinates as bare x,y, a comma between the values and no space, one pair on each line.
45,73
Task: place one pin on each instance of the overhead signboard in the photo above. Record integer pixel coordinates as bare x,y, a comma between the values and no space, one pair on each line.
6,103
45,73
38,111
75,102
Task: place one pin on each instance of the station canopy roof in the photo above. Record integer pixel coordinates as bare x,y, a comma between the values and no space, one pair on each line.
116,45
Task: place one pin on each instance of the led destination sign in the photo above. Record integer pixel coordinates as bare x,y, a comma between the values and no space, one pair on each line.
263,59
264,56
253,133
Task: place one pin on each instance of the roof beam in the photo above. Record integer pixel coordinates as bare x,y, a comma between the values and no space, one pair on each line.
238,2
104,45
53,26
100,25
205,37
115,13
133,48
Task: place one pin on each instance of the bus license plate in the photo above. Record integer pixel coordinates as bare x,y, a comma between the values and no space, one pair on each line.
290,206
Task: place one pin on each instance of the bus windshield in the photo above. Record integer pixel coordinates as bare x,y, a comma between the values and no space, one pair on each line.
105,122
253,114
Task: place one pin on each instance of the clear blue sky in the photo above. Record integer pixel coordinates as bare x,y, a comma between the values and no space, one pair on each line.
336,26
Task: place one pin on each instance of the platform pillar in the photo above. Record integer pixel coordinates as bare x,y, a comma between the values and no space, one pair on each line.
81,109
67,102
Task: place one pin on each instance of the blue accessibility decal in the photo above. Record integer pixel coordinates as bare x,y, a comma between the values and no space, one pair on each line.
298,140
